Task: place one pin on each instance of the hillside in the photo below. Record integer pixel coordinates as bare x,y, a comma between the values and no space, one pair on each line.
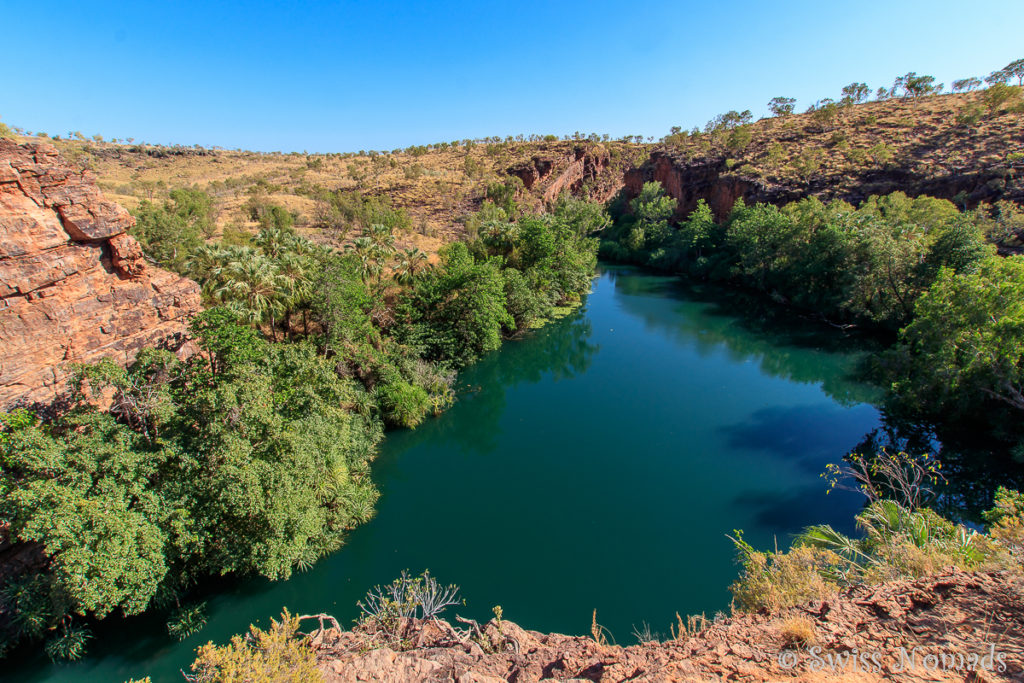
955,147
436,185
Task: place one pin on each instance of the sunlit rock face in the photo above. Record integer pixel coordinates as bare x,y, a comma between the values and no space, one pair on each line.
74,286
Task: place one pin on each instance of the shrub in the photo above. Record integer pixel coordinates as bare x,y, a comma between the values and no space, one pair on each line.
798,632
999,94
404,404
1006,519
808,163
278,655
776,580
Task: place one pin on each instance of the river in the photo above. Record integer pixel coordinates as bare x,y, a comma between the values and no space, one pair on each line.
596,464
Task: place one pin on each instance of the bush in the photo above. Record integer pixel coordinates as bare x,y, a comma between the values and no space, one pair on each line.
774,581
999,94
278,655
404,404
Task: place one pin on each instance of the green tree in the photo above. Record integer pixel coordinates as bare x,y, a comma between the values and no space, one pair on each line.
966,341
966,84
781,106
914,85
855,93
1015,69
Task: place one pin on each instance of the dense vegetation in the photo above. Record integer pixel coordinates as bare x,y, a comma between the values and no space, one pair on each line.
251,457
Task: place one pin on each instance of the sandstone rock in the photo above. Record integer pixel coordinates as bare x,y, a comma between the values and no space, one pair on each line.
550,176
74,287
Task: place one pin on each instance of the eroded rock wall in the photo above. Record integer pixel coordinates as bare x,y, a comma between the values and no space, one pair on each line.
74,286
548,176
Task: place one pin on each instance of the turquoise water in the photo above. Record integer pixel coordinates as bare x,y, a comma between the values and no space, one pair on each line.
598,463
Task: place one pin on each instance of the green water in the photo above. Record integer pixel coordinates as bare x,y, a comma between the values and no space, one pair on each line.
598,463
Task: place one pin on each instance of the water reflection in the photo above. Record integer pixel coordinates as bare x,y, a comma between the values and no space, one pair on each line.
783,344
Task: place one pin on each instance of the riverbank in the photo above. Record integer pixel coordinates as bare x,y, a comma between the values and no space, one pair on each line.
953,626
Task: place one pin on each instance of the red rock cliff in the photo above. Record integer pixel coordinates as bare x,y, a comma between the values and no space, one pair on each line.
74,287
547,176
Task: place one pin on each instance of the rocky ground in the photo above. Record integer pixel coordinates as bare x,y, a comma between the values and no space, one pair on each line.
955,626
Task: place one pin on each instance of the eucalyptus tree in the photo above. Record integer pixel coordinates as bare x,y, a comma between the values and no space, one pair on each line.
966,84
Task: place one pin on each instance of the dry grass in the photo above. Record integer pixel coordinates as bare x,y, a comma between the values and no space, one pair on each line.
949,132
436,187
931,135
798,632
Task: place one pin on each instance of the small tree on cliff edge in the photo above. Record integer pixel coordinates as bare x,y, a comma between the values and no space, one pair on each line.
855,93
781,106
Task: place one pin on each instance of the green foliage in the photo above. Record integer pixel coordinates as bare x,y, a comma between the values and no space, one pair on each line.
187,621
966,84
171,232
869,263
511,275
999,94
403,404
68,643
246,459
913,85
966,342
782,106
343,211
456,312
824,113
855,93
896,543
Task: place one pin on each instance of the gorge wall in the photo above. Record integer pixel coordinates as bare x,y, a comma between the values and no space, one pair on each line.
587,170
946,146
690,180
74,286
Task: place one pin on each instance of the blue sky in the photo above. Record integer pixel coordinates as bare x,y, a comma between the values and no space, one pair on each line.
345,76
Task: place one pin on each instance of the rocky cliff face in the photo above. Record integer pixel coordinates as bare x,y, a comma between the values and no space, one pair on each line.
591,169
918,146
74,287
690,180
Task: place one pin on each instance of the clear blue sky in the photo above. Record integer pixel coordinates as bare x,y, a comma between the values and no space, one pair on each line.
344,76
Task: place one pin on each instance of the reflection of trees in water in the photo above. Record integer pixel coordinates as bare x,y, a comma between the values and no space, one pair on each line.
800,350
974,465
560,350
747,327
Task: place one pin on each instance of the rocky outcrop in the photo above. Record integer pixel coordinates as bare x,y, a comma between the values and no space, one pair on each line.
932,145
690,180
74,286
955,626
589,168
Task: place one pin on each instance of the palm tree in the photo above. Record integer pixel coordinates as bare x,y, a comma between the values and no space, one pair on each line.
382,236
274,241
254,287
412,261
295,269
363,248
